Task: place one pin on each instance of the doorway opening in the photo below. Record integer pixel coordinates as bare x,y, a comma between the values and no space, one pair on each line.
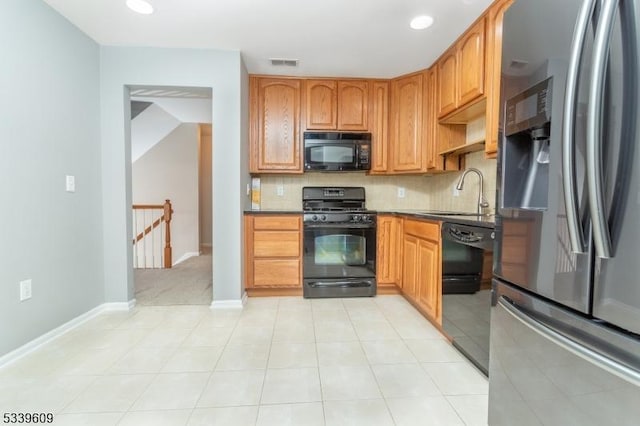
171,187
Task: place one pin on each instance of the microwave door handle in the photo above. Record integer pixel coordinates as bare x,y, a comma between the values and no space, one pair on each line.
601,234
576,235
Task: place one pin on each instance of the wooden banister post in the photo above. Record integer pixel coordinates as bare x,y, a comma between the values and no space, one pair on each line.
167,245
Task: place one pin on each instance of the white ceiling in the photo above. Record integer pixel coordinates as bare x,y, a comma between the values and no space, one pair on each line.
342,38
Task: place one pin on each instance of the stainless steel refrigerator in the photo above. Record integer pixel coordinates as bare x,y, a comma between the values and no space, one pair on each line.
565,320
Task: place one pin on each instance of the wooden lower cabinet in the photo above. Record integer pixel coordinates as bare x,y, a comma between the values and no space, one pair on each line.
429,277
273,252
422,266
410,266
388,253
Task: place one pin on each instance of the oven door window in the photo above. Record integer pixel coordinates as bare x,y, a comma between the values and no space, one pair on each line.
331,154
340,249
339,252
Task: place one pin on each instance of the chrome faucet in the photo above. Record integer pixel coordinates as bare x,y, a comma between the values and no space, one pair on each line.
482,202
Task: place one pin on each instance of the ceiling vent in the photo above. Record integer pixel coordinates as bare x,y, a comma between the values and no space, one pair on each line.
278,62
518,64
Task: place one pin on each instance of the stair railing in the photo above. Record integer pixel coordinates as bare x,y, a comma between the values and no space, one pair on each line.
151,241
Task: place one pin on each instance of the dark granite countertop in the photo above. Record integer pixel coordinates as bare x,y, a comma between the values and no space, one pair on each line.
471,219
273,212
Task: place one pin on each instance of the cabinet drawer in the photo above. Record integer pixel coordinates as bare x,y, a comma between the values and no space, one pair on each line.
276,272
277,222
424,230
276,244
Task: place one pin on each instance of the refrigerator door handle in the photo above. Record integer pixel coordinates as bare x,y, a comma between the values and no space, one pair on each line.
601,361
601,234
576,236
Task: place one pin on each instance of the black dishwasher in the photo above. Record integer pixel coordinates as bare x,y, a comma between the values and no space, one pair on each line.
465,305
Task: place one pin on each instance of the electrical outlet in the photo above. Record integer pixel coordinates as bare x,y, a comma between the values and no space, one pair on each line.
456,192
70,183
248,189
280,190
401,192
25,290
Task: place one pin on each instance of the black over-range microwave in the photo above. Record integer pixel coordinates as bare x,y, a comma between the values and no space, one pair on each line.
336,151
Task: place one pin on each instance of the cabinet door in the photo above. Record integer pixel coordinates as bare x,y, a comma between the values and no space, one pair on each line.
275,118
439,137
276,273
447,91
386,254
410,266
431,120
353,105
379,126
493,71
429,277
406,108
470,66
322,104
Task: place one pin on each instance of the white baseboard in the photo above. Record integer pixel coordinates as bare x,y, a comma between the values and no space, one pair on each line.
49,336
119,306
229,304
186,256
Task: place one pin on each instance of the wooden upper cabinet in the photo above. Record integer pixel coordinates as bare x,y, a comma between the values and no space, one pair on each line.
322,104
337,105
431,121
493,71
275,125
353,99
470,64
379,124
447,95
461,69
406,131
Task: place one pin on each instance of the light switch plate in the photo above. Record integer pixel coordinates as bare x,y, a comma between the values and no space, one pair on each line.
401,192
280,190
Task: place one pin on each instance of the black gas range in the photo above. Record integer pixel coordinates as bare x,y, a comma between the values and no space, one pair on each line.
339,243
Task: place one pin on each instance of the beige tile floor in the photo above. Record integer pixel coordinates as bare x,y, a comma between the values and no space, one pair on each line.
279,361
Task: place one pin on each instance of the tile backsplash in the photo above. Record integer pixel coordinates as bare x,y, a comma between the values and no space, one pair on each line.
421,192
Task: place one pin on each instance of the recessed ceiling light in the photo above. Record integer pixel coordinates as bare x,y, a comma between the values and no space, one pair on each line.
421,22
140,6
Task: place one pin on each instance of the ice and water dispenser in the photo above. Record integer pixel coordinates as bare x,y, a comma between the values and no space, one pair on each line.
525,165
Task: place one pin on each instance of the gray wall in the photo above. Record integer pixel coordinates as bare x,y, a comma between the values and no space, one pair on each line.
205,188
169,170
222,71
244,153
49,127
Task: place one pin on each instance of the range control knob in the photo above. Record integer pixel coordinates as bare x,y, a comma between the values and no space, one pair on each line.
323,217
366,218
356,218
314,218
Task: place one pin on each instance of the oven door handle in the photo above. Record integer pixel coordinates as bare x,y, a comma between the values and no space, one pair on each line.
340,226
317,284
